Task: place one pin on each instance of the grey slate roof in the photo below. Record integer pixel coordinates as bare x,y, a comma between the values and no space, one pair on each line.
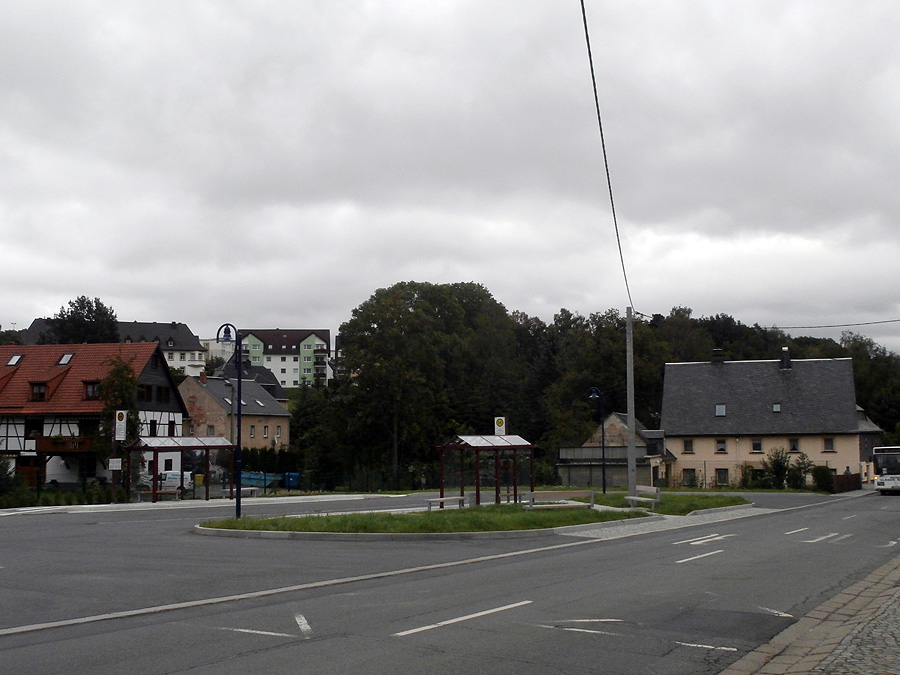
816,396
263,376
178,334
132,331
285,340
257,401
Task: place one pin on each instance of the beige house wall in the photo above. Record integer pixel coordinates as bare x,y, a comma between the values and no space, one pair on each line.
253,431
706,461
208,418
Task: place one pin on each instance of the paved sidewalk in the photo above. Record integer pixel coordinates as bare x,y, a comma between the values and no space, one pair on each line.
855,633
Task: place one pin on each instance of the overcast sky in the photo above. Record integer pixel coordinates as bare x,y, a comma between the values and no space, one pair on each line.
272,164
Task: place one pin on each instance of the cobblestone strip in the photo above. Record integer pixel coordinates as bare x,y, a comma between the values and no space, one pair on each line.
857,632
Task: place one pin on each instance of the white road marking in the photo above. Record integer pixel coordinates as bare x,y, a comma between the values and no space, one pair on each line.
462,618
592,621
716,538
582,630
777,613
697,557
841,538
258,632
303,624
888,545
816,541
721,649
849,517
695,540
802,529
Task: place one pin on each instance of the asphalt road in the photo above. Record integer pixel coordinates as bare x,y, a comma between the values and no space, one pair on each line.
133,590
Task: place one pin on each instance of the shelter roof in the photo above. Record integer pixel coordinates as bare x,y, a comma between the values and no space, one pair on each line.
495,441
181,443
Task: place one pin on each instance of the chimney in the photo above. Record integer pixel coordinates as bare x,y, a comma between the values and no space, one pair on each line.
785,358
718,356
203,377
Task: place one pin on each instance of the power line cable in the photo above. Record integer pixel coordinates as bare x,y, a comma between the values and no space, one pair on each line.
612,203
839,325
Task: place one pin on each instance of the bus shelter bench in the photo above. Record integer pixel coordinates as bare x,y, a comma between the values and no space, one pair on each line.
532,499
245,492
459,499
645,495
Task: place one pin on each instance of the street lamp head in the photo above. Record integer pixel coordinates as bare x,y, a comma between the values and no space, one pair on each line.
594,393
225,330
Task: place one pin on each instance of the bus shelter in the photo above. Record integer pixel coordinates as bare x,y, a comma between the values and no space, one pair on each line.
505,462
179,444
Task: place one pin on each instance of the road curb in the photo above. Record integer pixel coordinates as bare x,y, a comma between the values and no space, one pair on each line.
837,636
414,536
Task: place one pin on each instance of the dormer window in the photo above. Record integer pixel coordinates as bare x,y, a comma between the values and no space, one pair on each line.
92,391
170,342
38,391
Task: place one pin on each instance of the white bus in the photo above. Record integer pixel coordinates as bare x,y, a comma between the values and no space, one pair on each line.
887,468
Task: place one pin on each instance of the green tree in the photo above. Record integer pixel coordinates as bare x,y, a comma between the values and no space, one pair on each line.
10,337
775,466
84,320
877,376
799,471
427,361
117,392
214,364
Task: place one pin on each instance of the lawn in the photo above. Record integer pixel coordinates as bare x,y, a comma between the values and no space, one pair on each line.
673,503
493,518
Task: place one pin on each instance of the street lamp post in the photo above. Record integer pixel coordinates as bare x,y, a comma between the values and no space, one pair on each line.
225,331
597,396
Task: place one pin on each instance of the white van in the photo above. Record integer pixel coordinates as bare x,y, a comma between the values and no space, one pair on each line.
172,480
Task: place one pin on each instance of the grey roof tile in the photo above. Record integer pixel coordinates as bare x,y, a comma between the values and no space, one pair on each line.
815,396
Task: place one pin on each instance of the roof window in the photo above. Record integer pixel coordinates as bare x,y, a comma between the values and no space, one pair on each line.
65,358
720,410
14,360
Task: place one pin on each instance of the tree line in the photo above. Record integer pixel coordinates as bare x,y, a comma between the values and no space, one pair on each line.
421,362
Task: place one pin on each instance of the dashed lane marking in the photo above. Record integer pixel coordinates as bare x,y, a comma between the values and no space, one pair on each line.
697,557
720,649
818,539
476,615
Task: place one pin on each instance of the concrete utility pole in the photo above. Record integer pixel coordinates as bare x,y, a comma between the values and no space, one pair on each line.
629,366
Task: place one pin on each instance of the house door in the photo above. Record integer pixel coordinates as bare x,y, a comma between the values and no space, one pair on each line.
30,468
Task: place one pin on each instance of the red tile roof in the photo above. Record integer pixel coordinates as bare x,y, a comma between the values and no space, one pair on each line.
65,379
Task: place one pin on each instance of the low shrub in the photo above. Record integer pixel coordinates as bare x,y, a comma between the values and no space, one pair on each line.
823,478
